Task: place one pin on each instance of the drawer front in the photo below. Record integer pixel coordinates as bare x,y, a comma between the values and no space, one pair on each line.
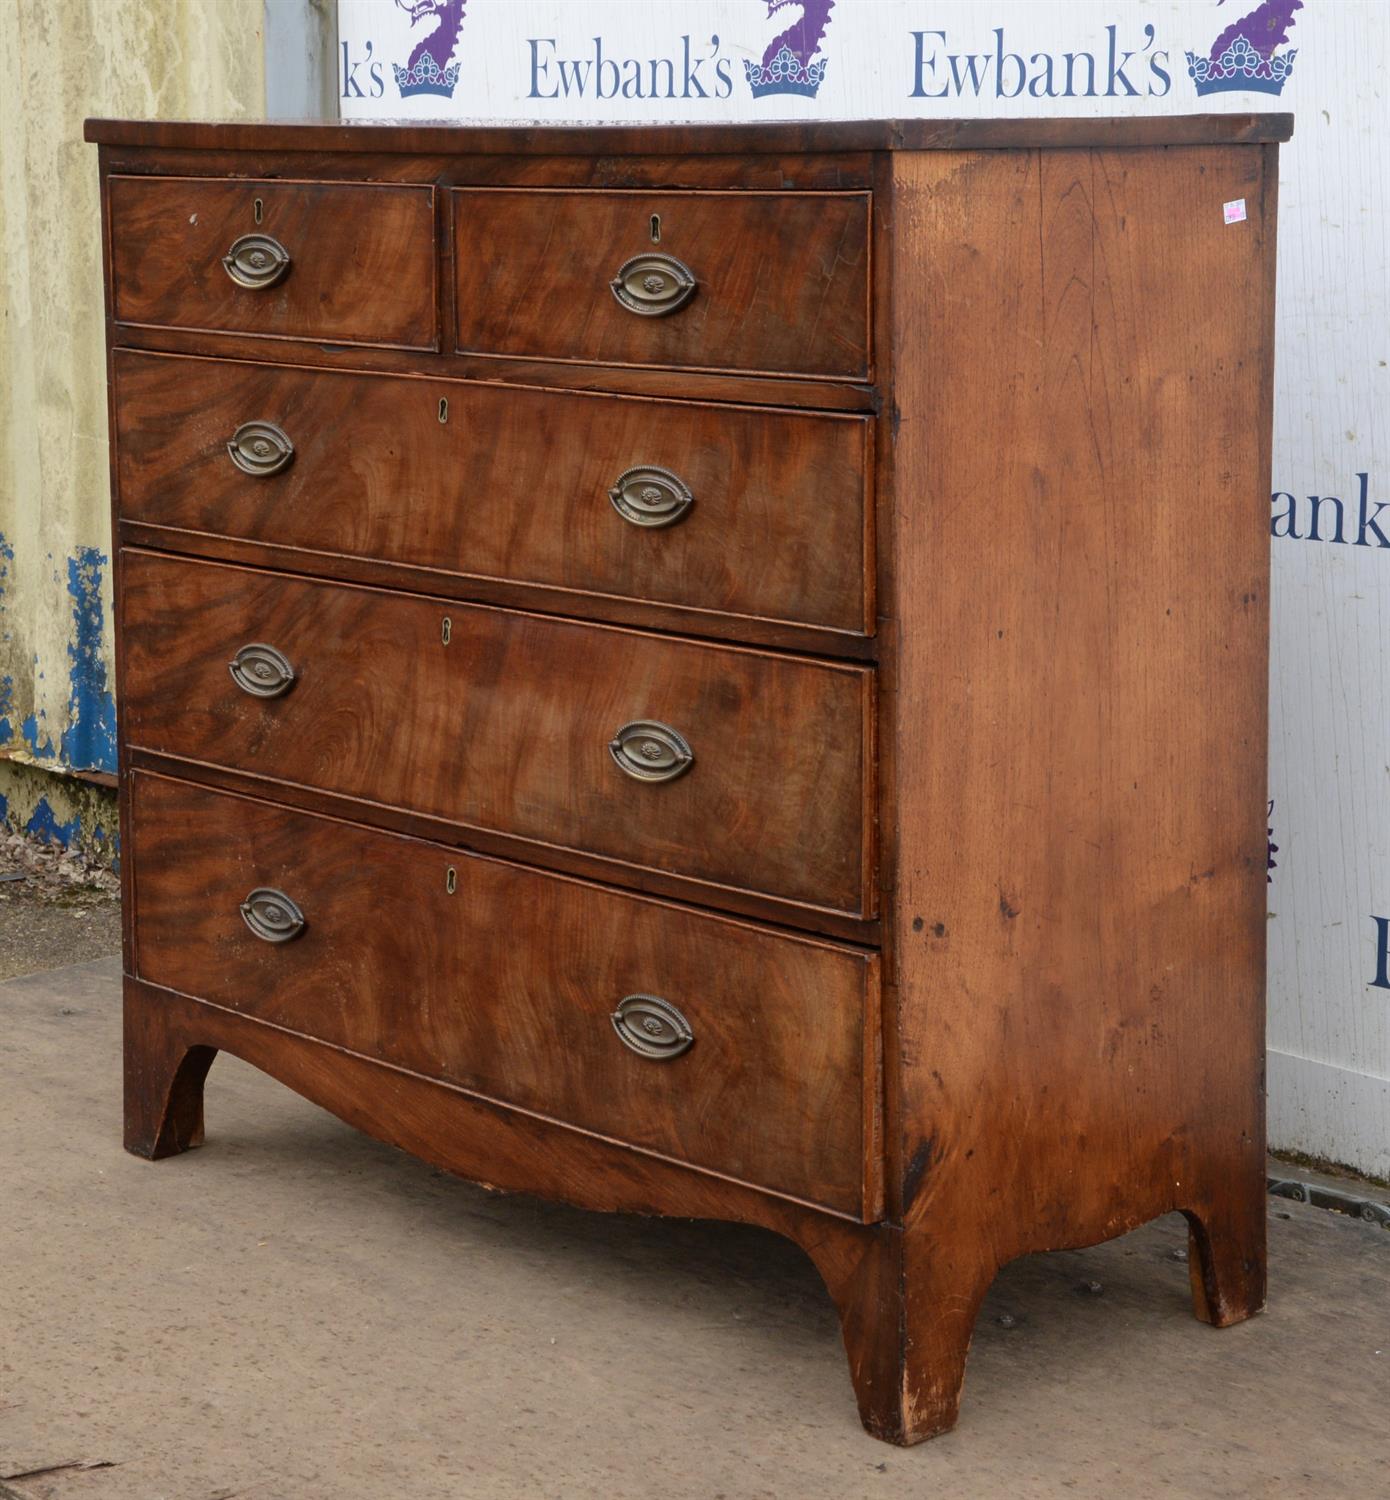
361,258
513,725
781,280
761,513
508,984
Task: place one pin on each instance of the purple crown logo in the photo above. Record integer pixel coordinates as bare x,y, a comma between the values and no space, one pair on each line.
1243,59
426,77
428,70
790,64
785,74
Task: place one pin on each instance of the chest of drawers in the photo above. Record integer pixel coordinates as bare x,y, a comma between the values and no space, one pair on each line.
716,672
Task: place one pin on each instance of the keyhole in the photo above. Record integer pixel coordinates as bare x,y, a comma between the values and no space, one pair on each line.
259,209
656,229
443,408
451,880
446,630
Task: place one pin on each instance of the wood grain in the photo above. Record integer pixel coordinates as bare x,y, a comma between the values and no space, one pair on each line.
118,633
778,391
793,138
1050,784
580,863
362,258
542,598
1078,919
512,485
507,726
171,1040
836,171
506,985
783,279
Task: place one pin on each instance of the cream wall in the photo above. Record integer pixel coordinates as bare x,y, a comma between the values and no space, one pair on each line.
65,60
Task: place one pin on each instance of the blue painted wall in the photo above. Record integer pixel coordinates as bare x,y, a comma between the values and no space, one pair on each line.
40,736
88,743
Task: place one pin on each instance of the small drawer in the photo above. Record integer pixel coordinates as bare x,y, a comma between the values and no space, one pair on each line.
761,513
350,263
719,1043
737,768
774,283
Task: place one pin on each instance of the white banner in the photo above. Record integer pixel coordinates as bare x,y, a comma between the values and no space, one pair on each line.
550,61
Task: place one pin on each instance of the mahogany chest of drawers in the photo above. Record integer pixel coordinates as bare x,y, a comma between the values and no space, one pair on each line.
713,671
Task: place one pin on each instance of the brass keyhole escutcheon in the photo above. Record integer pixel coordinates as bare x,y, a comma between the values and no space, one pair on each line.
446,630
451,880
258,209
443,409
656,229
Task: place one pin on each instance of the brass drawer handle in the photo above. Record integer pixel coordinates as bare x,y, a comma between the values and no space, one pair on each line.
256,261
653,284
271,915
262,671
651,497
649,751
652,1027
260,449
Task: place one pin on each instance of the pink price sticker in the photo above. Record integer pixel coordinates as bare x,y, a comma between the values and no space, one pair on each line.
1234,211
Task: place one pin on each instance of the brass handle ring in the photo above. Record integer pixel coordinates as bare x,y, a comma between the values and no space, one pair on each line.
649,751
653,285
256,261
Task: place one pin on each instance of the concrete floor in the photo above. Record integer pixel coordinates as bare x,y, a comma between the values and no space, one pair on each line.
44,934
55,907
295,1311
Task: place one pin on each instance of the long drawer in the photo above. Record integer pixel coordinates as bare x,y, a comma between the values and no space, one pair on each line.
354,263
716,1042
741,769
756,513
771,282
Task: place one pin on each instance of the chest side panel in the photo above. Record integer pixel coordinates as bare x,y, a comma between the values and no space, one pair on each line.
1081,522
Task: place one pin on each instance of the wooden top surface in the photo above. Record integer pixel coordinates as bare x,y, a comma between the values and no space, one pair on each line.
410,137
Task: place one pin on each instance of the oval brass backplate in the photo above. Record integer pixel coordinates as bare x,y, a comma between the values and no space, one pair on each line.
650,496
261,670
653,284
271,915
260,449
256,261
652,1027
650,751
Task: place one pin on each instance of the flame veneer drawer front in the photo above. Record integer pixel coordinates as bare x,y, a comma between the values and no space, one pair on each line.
510,722
731,510
351,263
770,282
508,984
